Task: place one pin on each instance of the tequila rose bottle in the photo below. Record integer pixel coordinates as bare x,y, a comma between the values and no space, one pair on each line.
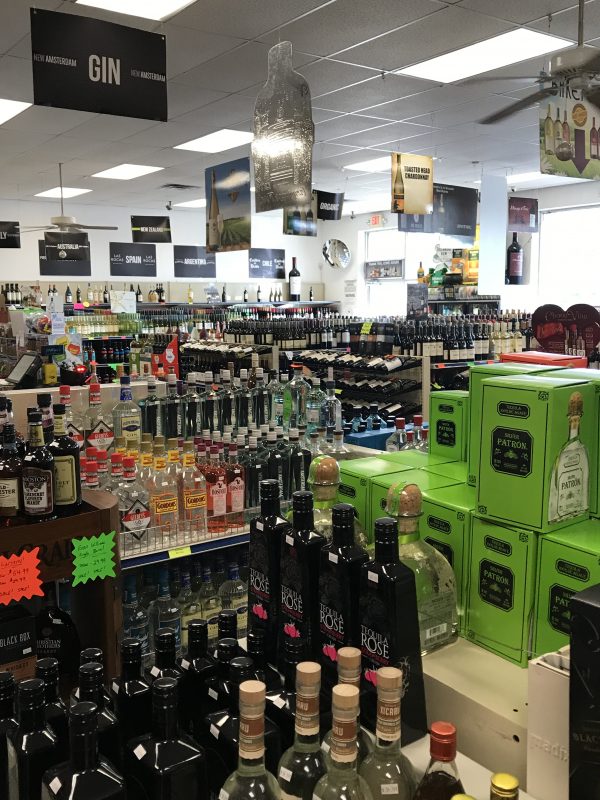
216,491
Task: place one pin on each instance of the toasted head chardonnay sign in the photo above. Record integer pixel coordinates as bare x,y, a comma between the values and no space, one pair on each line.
412,184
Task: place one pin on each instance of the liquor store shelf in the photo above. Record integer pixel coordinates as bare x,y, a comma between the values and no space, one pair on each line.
409,363
251,304
181,551
482,298
460,364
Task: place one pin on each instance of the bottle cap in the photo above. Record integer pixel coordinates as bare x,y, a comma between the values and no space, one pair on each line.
240,669
172,444
294,649
188,447
91,467
418,420
83,718
271,436
44,399
125,380
65,391
342,514
58,408
442,741
34,416
228,623
131,651
164,640
91,654
214,450
324,471
117,458
504,784
102,455
386,528
91,675
308,673
226,649
344,696
252,692
129,462
30,693
164,689
269,489
120,442
91,453
198,631
404,500
293,433
47,669
302,501
7,685
255,642
389,678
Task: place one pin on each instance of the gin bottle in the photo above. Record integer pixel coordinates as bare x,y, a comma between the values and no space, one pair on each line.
233,594
134,503
98,426
295,396
127,418
434,577
192,492
132,700
165,611
570,477
210,606
136,624
164,495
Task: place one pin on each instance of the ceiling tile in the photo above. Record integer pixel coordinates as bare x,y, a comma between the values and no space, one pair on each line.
343,125
464,112
394,131
371,92
109,128
16,21
225,113
47,120
183,98
517,10
325,150
429,101
16,79
187,47
565,24
325,76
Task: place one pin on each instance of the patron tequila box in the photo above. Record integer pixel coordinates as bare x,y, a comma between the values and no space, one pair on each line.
415,459
501,589
356,477
477,375
446,524
536,438
568,562
426,481
457,470
449,424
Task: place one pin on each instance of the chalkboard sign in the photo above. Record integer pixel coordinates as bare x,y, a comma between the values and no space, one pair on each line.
266,263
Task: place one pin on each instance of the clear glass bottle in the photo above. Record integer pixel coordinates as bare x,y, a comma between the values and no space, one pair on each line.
210,605
134,501
277,392
136,622
423,443
386,771
151,409
295,397
127,418
434,577
569,480
98,426
397,440
373,416
251,779
233,594
227,406
331,410
192,492
323,481
303,764
172,410
342,781
216,491
441,780
260,399
164,497
73,419
255,472
338,449
410,441
165,611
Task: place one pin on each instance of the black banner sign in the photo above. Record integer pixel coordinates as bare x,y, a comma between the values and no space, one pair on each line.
192,261
329,205
64,246
151,229
454,213
10,235
523,214
91,65
132,260
266,263
63,268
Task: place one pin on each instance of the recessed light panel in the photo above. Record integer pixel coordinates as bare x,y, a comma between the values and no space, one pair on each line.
218,141
372,165
126,172
66,192
10,109
149,9
191,204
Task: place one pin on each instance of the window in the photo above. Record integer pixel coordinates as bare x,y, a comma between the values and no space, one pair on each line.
384,245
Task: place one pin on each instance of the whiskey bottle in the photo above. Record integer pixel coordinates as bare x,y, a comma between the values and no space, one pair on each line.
441,780
32,746
342,781
91,689
303,764
11,467
67,470
38,473
570,476
251,778
131,696
197,666
55,711
8,724
86,775
165,764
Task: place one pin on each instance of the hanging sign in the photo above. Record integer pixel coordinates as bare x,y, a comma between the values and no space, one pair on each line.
62,267
569,135
93,557
192,261
10,235
132,260
412,184
266,263
151,229
20,576
454,213
329,205
91,65
228,217
574,332
63,246
523,214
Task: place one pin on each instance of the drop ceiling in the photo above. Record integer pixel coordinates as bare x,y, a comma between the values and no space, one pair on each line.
347,50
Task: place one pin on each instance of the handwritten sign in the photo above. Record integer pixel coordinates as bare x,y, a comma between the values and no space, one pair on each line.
122,302
93,558
20,577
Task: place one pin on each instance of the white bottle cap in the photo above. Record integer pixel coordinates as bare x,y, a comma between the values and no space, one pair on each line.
243,374
271,436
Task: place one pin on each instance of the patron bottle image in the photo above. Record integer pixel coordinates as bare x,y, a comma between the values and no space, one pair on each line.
441,780
86,775
38,473
570,477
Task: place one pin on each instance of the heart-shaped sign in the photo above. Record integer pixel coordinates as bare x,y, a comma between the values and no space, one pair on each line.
575,331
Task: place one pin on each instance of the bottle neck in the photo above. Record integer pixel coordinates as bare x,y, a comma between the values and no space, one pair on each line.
164,722
6,708
131,670
251,748
306,735
50,691
342,535
93,694
304,520
84,751
270,506
386,551
31,719
165,659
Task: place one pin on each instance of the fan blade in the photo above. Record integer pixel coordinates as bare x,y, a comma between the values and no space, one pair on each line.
526,102
97,227
41,228
521,78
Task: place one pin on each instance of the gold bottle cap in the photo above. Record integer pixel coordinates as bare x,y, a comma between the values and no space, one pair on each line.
173,444
389,678
120,442
252,692
146,447
462,797
576,404
348,658
308,673
404,500
344,696
324,471
505,785
146,437
158,449
159,440
188,447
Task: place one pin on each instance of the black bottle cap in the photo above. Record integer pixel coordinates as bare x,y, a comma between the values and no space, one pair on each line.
31,693
164,692
164,640
342,514
228,624
91,676
91,654
198,632
302,501
34,416
7,685
255,642
373,407
362,427
3,402
240,670
44,399
83,718
226,649
269,489
47,669
386,528
294,649
131,651
376,426
59,408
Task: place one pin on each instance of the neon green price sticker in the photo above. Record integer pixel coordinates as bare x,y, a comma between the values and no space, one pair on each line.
180,552
94,558
366,327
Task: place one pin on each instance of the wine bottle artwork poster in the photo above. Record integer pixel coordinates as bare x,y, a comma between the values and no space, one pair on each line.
228,221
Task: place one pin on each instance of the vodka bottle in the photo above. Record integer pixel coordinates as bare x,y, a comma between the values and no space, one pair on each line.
127,419
314,401
151,409
277,393
98,426
260,400
397,440
165,611
295,396
233,594
210,606
331,411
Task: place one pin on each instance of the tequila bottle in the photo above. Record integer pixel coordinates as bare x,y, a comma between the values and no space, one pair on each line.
570,477
165,611
323,481
295,397
127,418
441,780
397,441
98,426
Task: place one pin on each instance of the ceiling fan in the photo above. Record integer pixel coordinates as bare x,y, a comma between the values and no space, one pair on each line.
66,224
579,67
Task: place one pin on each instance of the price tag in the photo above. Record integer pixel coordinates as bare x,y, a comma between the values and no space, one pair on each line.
55,785
389,788
93,558
373,576
20,577
139,751
285,773
333,558
289,540
185,664
155,672
214,731
366,327
115,687
278,701
180,552
213,694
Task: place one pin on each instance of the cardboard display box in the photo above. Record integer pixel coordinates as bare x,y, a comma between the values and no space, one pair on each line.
457,470
537,433
449,424
568,562
415,459
501,589
357,475
541,357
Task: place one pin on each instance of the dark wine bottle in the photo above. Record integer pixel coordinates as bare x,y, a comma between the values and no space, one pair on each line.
197,667
132,699
67,472
38,473
294,281
216,695
514,262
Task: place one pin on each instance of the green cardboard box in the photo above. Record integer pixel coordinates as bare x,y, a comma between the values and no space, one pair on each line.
501,589
446,524
426,481
537,434
568,562
457,470
357,475
415,459
477,374
449,424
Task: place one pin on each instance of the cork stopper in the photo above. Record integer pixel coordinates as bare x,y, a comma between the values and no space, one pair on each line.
345,696
404,500
308,673
324,471
576,404
348,658
389,678
252,692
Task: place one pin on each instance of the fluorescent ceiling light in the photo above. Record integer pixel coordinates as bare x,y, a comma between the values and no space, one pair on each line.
372,165
192,204
149,9
66,192
218,141
10,109
524,177
126,172
500,51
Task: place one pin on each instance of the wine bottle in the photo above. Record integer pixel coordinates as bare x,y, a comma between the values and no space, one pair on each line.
67,472
68,295
91,689
294,281
514,262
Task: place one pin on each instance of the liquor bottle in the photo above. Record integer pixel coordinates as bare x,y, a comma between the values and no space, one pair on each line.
130,693
441,780
8,724
44,404
331,410
277,464
314,401
37,473
165,657
504,787
390,629
397,186
216,687
57,637
151,410
255,647
570,476
342,781
90,293
300,551
264,590
165,611
134,502
223,295
386,770
324,481
105,295
339,574
192,484
90,655
197,666
11,467
91,689
98,426
226,403
68,295
32,746
210,605
294,282
295,397
514,262
73,421
549,133
55,711
251,778
281,703
139,297
127,418
420,273
233,594
136,623
172,410
216,492
397,441
163,493
67,471
78,295
165,763
594,148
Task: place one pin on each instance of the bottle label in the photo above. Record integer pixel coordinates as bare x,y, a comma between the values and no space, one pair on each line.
74,432
140,632
193,500
101,436
496,584
131,428
136,519
236,493
512,451
165,505
295,284
242,616
65,480
252,737
9,493
515,265
388,720
445,433
307,715
37,491
259,593
213,630
343,740
217,499
312,415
